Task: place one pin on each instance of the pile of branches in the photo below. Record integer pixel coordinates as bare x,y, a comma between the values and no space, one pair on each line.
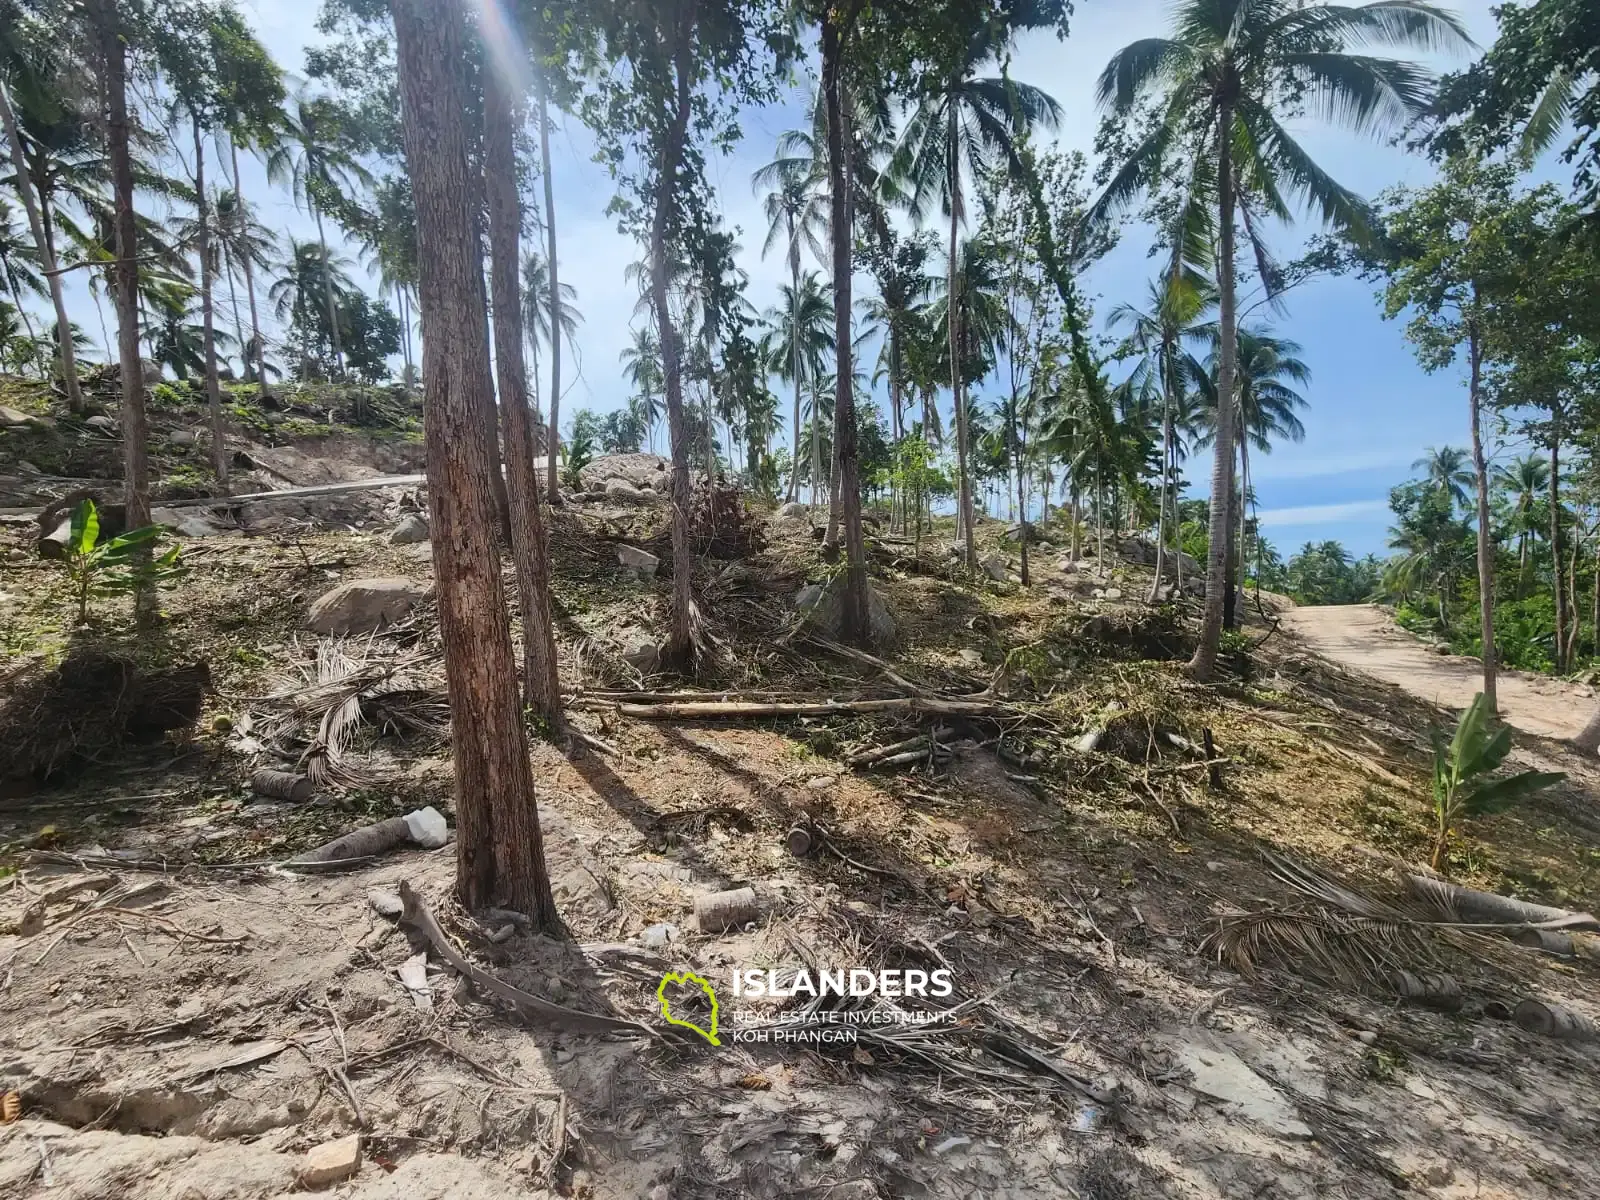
85,709
315,722
721,525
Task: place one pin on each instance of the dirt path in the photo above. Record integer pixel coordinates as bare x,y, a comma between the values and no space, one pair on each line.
1362,636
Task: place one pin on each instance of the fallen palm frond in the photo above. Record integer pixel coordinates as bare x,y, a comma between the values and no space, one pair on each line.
315,722
1466,905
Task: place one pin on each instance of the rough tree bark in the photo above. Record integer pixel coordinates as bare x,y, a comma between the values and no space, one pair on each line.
499,850
680,643
1485,532
113,55
953,304
541,681
1204,662
327,294
552,437
208,336
47,253
1555,544
1166,476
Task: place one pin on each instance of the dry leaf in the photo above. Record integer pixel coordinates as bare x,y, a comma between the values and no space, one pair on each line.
10,1107
756,1083
863,1057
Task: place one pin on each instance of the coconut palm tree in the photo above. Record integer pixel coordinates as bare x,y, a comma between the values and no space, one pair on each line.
798,338
962,126
1221,83
796,209
316,159
309,276
247,247
641,364
1449,470
536,310
1163,372
1524,484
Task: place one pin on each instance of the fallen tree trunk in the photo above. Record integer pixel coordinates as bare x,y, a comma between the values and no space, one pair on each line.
1469,906
415,915
734,710
282,785
718,911
1552,1020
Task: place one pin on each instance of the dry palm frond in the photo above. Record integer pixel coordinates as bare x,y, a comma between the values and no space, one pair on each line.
1356,952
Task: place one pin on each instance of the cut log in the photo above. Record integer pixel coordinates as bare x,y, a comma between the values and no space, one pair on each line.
363,843
735,710
1551,1020
1434,991
1486,908
799,841
282,785
717,911
1547,941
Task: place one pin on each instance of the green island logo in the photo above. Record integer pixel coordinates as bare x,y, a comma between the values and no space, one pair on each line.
685,979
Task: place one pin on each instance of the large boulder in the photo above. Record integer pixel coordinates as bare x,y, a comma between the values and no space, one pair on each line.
642,472
997,568
187,522
413,528
641,564
822,606
794,511
363,605
625,492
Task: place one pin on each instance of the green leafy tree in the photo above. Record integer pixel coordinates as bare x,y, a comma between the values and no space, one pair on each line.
1221,86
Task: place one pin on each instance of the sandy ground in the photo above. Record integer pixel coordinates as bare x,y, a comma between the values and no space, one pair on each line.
1362,637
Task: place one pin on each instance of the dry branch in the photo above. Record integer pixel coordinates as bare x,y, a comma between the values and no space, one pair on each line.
416,916
1485,908
737,710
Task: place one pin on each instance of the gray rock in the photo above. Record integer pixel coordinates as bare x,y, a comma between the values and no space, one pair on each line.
187,522
101,421
596,487
1113,594
621,489
363,605
970,657
182,437
152,372
578,890
645,472
1046,548
794,510
639,563
1225,1077
822,605
643,655
12,418
413,528
997,568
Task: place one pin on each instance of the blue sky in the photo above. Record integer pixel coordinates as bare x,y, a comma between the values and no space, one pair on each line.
1373,411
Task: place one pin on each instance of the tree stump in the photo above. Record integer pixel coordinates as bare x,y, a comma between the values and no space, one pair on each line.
282,785
717,911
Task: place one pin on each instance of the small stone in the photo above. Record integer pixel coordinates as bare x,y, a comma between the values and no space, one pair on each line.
182,437
639,563
971,657
331,1162
1046,548
1113,593
793,511
659,936
385,904
621,489
363,605
413,528
100,421
820,783
1366,1037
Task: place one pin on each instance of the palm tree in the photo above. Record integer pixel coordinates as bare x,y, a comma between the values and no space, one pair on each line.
799,336
316,159
1448,469
796,212
1217,82
310,276
388,234
1524,483
1164,370
641,363
536,310
964,124
247,247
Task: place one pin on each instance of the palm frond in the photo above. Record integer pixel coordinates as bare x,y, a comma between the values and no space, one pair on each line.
1549,115
1138,68
1337,205
1411,24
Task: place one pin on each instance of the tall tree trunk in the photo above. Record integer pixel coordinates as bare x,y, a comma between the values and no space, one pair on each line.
208,335
233,301
1485,540
499,850
953,303
1204,662
541,681
250,277
135,432
1555,544
794,354
327,295
403,306
1177,523
854,626
680,644
1022,483
47,254
1166,478
552,437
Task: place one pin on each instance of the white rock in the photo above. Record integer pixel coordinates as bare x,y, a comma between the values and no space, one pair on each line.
100,421
971,657
639,563
820,783
11,417
996,568
659,936
363,605
1113,594
621,489
331,1162
186,521
428,827
1221,1074
794,510
413,528
182,437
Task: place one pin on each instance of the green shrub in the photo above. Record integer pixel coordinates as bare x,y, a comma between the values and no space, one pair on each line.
96,568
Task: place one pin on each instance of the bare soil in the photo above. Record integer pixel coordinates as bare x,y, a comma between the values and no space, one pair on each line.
193,1031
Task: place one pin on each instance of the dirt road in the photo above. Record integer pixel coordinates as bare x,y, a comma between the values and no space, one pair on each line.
1362,637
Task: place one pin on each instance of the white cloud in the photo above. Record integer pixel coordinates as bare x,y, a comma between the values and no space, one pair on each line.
1322,514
